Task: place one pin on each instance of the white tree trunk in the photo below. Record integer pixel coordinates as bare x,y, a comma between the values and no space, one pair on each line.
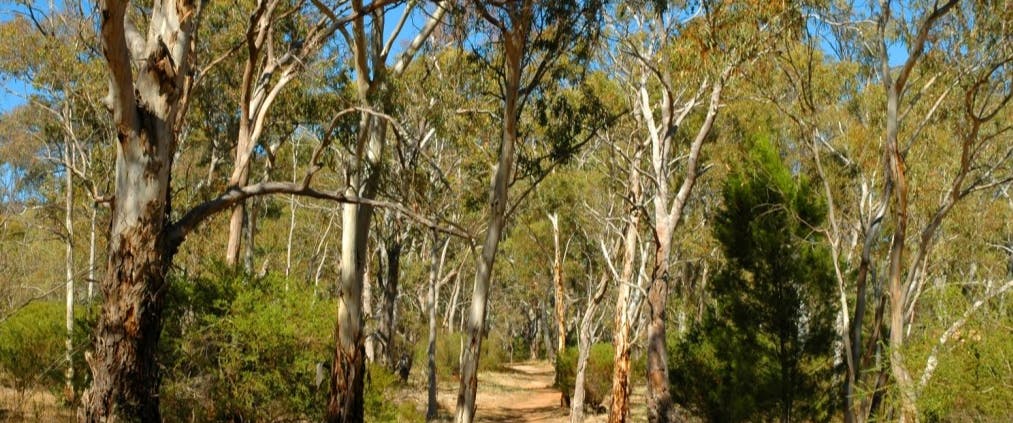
557,279
583,349
69,267
513,54
91,256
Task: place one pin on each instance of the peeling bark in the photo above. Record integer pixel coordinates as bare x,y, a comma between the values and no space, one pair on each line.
619,408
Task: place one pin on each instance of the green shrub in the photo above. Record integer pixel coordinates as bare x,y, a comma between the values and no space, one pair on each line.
494,353
448,354
243,349
597,373
32,348
381,387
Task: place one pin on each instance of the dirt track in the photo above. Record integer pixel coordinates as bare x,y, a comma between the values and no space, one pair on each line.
521,392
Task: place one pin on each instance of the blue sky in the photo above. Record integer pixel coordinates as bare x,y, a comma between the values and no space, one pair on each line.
13,92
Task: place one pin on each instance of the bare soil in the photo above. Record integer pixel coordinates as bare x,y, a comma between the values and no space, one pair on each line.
519,392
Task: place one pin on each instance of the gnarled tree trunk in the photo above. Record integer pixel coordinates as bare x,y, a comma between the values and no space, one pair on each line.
125,378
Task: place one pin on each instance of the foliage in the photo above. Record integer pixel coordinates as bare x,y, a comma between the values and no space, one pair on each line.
972,380
381,389
234,343
448,354
763,350
32,348
597,376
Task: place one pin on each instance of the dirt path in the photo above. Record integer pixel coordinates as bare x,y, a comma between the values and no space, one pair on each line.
521,392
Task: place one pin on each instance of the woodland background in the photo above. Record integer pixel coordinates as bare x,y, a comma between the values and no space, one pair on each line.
748,210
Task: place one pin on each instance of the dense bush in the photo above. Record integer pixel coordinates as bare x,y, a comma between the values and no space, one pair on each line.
597,376
448,354
244,349
763,349
972,381
32,348
381,387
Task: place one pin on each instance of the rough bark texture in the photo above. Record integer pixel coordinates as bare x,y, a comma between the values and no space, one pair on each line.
390,290
125,378
659,398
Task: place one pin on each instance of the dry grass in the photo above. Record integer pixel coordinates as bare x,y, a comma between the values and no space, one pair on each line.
520,392
32,406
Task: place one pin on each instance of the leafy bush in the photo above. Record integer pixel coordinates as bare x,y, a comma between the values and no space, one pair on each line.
494,353
242,349
764,347
597,376
381,386
972,379
32,348
448,354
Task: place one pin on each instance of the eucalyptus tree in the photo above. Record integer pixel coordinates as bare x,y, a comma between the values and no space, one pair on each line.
370,49
676,59
981,135
148,107
926,79
522,43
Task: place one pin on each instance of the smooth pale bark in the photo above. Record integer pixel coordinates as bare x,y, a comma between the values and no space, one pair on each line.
91,255
69,268
345,400
435,267
288,243
583,349
557,281
345,403
450,318
256,97
291,217
619,407
514,44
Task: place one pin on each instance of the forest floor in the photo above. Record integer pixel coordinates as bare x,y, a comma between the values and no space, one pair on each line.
518,392
522,393
32,406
